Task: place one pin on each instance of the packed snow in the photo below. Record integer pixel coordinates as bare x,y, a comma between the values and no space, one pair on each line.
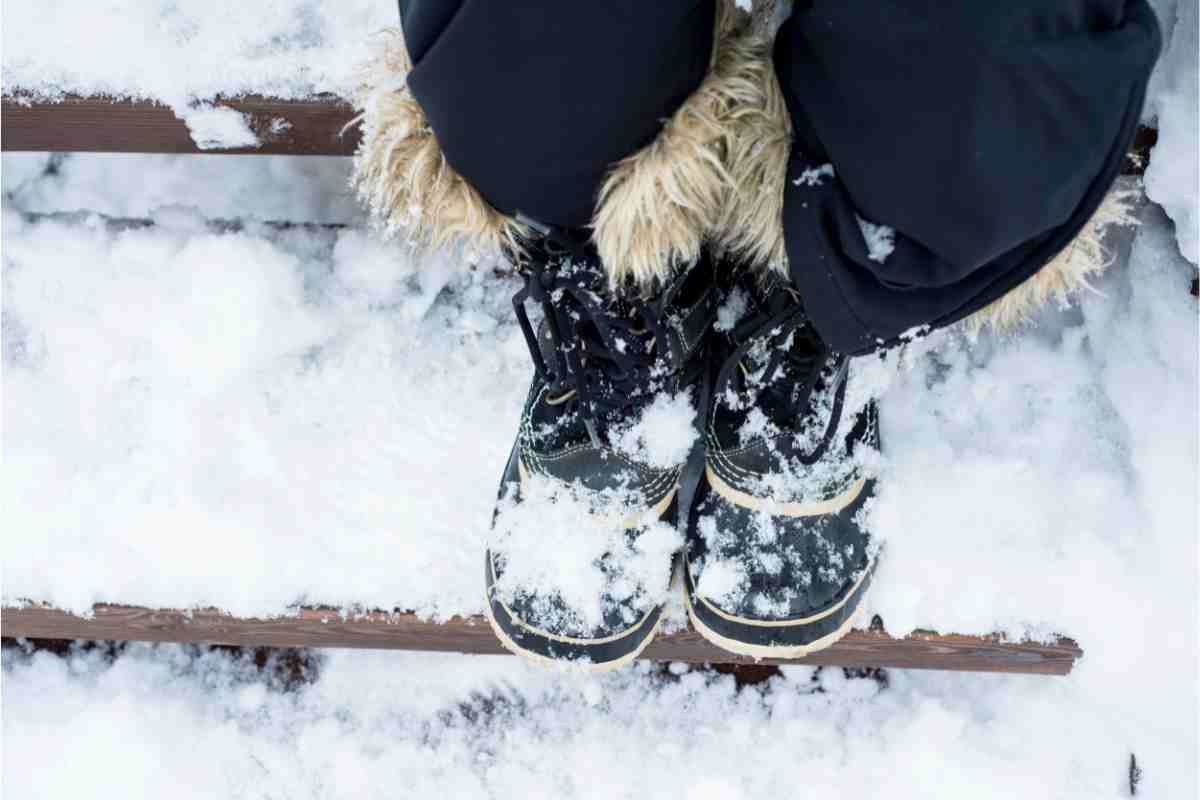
179,53
276,393
218,128
319,405
209,401
423,725
313,405
1173,105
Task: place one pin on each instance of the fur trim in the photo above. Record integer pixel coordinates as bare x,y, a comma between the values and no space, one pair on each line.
1064,275
657,206
401,174
750,228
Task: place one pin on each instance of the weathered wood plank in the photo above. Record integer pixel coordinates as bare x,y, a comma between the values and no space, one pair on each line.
104,125
314,127
317,627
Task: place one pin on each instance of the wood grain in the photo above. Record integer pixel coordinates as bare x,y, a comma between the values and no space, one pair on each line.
321,627
314,127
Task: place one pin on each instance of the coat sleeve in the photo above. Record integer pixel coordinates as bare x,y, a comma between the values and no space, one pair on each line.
534,100
613,117
944,152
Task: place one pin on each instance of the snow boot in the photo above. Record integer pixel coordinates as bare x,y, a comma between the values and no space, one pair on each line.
777,559
584,535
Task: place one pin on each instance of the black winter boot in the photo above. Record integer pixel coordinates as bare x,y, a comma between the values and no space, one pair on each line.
777,558
584,536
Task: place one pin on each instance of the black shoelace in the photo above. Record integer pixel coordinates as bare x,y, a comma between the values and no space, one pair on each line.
603,358
807,356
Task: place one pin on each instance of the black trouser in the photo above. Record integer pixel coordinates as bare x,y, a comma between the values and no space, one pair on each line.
984,134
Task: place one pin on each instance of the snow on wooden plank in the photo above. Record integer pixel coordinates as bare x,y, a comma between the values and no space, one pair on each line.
310,127
322,627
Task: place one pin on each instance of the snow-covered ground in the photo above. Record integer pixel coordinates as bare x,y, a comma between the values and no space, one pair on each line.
181,53
300,401
421,725
1173,105
252,416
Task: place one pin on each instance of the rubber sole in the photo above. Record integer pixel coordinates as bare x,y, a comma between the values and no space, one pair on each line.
776,638
548,649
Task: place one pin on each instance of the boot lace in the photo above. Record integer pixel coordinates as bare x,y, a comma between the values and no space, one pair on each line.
604,352
806,356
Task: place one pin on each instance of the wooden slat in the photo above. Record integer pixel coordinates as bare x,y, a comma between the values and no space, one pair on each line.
317,627
104,125
214,225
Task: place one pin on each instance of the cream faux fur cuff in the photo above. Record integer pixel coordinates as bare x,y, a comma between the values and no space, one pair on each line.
658,206
1066,274
400,172
655,208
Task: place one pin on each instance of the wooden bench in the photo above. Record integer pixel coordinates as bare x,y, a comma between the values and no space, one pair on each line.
315,127
324,627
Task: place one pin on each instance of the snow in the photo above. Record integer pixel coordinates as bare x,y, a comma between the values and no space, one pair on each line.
732,310
1087,430
178,53
572,545
296,399
299,48
329,389
1173,103
215,411
791,478
814,176
663,435
880,239
217,127
329,416
724,580
211,725
293,188
757,426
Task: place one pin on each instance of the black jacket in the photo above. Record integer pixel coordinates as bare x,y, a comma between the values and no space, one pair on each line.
984,134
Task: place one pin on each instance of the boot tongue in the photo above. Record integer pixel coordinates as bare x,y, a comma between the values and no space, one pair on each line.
686,309
783,352
775,297
759,300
